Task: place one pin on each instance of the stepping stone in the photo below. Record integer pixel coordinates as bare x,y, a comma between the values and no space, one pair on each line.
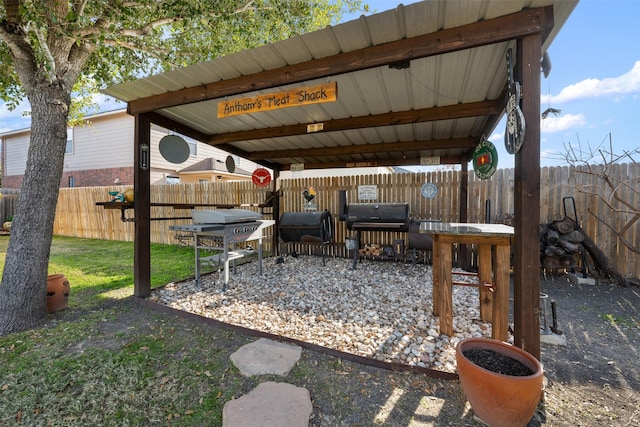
266,356
271,404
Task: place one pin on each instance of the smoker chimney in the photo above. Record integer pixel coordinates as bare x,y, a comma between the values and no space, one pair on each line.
342,205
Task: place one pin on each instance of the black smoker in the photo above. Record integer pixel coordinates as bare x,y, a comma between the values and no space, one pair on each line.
383,217
307,227
372,217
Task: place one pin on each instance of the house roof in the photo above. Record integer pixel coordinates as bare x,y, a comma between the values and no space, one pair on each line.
424,80
210,164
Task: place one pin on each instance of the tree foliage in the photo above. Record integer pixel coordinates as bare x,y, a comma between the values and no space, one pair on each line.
53,52
130,39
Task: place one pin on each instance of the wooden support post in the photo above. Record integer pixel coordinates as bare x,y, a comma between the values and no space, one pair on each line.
463,250
527,202
142,206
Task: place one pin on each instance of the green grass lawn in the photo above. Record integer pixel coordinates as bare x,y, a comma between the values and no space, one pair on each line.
108,361
94,267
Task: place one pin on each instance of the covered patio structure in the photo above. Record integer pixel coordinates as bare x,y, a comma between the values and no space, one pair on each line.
418,84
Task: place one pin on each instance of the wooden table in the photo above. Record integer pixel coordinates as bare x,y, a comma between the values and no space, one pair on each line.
494,277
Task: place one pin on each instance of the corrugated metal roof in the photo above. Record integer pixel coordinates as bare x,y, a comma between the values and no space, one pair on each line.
472,75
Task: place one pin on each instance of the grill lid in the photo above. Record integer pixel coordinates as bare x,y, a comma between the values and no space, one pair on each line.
378,216
224,216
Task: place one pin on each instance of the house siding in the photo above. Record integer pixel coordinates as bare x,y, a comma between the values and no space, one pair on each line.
102,153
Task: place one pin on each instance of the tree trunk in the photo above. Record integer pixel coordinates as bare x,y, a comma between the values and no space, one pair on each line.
23,290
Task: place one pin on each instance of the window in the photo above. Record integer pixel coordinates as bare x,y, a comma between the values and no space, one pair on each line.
193,147
72,181
69,148
172,179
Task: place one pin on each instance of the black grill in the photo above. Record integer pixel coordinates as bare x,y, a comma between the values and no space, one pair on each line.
377,216
306,227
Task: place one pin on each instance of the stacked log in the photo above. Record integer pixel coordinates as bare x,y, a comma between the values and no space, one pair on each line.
560,244
370,250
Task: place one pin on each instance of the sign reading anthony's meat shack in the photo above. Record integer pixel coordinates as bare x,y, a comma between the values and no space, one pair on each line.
292,98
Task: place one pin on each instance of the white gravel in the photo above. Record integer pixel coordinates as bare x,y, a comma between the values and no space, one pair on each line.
380,310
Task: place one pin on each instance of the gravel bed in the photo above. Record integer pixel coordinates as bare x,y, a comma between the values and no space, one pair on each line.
380,310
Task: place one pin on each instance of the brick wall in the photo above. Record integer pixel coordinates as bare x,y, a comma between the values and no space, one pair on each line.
84,178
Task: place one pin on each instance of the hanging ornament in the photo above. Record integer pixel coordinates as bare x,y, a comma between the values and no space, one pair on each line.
514,132
485,159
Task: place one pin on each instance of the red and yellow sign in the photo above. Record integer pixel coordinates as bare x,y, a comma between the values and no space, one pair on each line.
485,159
327,92
261,177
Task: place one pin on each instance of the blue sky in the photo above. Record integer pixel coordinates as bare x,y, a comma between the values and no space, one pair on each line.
594,81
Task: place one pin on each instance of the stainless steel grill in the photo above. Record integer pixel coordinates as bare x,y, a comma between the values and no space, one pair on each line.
233,228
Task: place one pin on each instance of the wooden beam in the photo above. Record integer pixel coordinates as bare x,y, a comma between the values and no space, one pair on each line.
490,31
142,209
526,272
409,161
435,144
448,112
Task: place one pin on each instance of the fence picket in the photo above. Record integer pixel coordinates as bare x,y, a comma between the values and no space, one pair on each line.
78,216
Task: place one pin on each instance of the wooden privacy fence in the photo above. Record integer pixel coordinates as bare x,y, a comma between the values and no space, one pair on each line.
78,216
8,203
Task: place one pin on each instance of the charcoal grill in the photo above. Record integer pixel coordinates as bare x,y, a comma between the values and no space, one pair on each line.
226,227
374,217
307,227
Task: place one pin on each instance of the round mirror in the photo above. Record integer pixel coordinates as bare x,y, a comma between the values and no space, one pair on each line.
174,149
231,164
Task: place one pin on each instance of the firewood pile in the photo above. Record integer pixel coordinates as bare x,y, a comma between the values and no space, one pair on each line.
564,242
560,244
370,250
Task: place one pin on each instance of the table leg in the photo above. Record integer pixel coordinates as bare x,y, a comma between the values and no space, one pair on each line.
446,289
197,244
501,297
435,271
226,264
484,275
260,255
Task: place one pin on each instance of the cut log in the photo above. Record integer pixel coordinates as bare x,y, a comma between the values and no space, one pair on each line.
574,236
567,261
572,248
554,251
550,262
552,237
564,226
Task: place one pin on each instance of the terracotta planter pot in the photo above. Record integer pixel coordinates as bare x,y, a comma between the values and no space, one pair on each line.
499,399
58,289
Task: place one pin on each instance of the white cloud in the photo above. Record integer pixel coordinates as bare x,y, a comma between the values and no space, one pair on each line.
626,84
563,122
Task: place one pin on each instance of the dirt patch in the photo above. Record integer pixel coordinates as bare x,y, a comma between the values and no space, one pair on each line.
593,380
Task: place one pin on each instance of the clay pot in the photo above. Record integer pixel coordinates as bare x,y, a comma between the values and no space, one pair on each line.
499,399
58,289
